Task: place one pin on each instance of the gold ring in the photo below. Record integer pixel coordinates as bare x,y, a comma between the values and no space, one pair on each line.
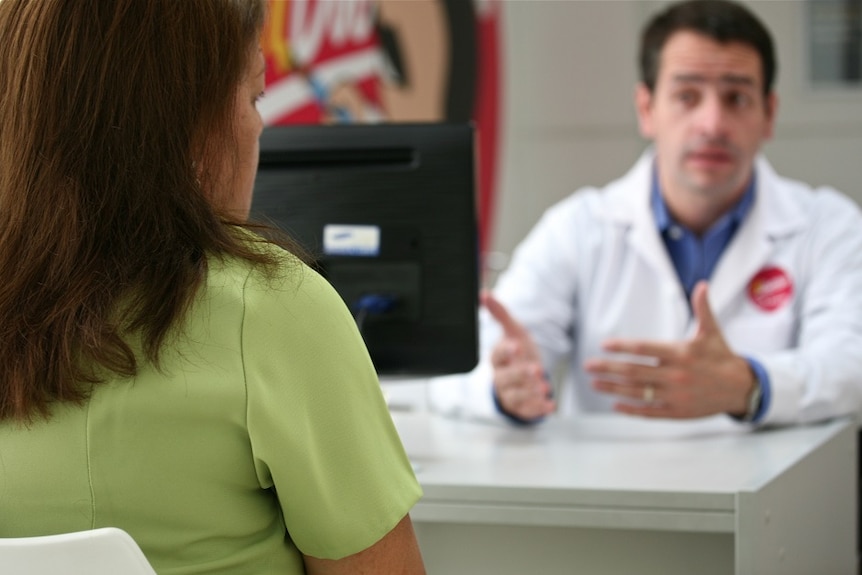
649,394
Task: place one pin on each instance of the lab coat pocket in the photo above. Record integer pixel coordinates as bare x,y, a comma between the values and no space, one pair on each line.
761,332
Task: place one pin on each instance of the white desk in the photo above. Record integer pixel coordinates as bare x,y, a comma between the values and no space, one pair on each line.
610,495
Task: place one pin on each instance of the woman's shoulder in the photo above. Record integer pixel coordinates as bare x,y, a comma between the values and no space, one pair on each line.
284,285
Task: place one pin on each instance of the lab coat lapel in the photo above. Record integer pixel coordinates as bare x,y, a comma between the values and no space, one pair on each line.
749,250
629,206
644,240
771,217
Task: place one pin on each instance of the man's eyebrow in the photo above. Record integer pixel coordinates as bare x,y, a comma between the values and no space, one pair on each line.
733,79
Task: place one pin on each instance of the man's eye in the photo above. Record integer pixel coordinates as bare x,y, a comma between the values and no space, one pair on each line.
738,100
687,96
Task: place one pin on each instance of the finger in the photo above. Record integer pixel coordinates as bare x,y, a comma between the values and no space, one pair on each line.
505,352
523,390
626,372
526,404
641,392
645,350
520,375
518,394
706,323
498,311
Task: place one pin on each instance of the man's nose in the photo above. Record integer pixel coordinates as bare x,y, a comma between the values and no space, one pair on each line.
712,117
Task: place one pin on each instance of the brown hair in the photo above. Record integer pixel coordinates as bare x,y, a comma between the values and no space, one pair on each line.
721,20
105,106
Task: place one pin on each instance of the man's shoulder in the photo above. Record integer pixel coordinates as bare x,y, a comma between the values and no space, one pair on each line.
815,201
616,202
586,206
615,199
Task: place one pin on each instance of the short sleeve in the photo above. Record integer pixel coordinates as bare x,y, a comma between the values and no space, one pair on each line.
320,430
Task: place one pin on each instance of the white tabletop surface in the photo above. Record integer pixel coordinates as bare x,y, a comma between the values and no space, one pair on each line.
600,461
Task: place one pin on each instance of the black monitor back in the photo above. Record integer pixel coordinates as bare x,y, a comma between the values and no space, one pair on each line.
387,210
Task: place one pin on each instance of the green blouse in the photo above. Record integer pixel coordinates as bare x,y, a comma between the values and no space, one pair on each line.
263,434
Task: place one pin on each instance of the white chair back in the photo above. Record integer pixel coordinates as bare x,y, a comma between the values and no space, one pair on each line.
105,551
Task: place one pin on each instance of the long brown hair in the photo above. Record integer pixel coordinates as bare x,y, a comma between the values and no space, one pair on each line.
105,107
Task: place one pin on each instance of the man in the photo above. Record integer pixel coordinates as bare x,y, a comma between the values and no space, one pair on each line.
700,282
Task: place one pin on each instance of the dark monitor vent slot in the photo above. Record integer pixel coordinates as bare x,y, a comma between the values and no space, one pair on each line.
378,158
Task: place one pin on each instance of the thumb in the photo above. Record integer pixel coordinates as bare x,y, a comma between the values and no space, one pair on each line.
706,323
498,311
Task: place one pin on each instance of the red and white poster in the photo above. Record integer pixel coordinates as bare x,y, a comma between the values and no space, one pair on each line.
390,61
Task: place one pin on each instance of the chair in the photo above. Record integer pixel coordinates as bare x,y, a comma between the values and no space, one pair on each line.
104,551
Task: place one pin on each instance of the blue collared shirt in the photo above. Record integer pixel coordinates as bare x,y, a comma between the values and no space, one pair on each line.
694,258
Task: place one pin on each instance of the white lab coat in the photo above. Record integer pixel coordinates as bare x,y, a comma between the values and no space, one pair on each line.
595,267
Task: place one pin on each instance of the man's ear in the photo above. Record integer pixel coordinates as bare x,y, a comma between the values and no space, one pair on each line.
643,107
771,104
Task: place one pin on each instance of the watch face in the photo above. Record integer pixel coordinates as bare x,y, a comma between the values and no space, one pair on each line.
754,400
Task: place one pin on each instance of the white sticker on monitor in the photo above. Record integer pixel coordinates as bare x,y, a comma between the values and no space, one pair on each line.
346,240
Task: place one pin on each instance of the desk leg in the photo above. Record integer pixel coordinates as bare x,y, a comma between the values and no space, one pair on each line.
805,521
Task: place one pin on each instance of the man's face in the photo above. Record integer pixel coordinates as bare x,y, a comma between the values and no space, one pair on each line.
707,116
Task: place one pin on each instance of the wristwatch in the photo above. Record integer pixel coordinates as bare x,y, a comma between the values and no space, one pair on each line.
753,402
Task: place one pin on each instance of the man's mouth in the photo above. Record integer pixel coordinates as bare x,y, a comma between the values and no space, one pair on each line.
710,157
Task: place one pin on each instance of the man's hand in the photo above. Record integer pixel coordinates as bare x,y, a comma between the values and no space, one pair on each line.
687,379
519,379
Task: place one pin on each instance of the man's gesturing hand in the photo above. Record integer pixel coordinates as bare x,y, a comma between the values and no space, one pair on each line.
694,378
519,378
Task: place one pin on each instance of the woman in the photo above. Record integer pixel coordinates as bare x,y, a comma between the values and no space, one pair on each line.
162,368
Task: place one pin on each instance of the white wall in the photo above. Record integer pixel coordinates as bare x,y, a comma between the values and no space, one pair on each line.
569,118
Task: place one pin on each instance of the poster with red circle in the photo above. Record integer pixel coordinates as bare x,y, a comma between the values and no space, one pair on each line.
390,61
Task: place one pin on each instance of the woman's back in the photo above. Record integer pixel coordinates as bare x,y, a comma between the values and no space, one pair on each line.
267,386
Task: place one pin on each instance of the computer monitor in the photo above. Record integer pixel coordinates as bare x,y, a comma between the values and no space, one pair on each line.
388,211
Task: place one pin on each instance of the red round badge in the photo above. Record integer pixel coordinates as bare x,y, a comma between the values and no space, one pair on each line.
770,288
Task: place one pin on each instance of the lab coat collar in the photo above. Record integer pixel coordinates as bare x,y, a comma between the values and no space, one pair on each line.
628,199
775,214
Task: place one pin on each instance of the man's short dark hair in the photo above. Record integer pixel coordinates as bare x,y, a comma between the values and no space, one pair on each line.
720,20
